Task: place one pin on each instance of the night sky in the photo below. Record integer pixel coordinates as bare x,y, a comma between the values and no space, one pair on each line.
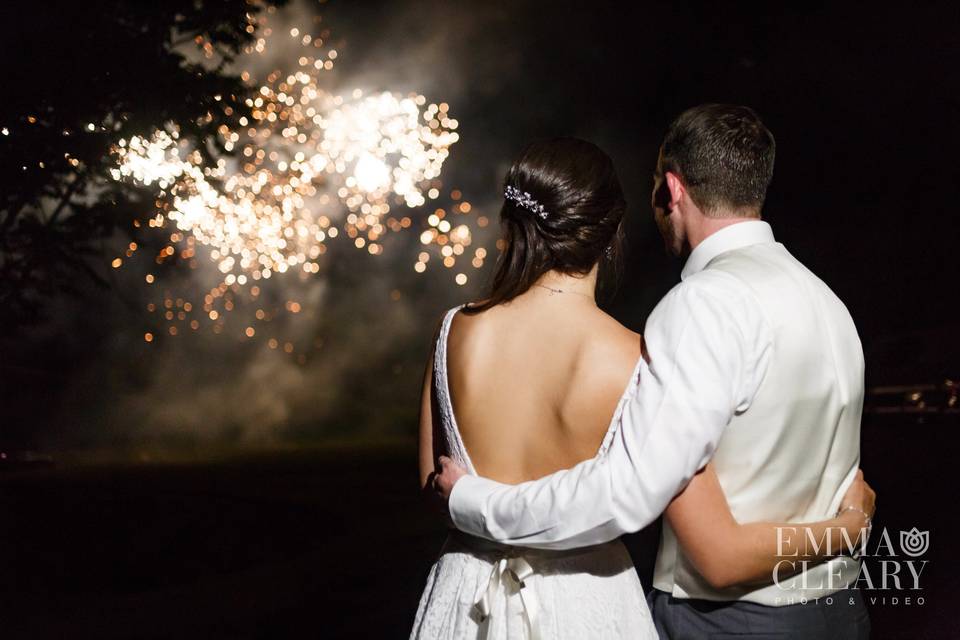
863,102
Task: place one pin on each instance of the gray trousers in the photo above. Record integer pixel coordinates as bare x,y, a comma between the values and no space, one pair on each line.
842,616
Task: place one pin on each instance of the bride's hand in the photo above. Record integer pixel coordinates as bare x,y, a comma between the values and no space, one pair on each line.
860,496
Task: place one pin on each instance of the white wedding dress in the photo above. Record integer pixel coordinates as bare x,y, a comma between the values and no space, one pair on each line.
482,589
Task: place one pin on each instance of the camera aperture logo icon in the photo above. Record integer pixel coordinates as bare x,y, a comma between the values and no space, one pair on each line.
914,542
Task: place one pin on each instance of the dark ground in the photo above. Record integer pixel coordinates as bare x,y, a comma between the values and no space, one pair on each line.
329,543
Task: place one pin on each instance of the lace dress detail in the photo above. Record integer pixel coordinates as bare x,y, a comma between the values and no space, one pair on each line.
591,592
452,442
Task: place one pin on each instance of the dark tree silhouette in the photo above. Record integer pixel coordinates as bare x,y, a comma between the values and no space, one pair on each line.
77,77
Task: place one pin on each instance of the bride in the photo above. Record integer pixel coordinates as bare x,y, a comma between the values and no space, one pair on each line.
531,380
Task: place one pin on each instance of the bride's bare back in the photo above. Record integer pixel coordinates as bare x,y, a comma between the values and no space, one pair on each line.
535,382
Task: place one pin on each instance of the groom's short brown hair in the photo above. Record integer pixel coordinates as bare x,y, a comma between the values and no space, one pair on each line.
724,156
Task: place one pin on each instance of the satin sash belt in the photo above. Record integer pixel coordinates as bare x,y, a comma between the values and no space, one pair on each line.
510,575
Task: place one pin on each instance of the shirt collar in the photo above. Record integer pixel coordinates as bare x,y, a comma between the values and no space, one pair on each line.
736,236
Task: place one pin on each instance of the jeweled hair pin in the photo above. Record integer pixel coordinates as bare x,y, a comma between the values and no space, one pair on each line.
525,200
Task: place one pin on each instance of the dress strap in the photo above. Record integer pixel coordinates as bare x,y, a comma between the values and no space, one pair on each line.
441,386
440,351
445,329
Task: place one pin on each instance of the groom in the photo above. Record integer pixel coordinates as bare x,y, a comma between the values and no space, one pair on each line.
753,363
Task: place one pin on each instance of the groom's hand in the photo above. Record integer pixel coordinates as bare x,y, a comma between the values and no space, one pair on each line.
449,473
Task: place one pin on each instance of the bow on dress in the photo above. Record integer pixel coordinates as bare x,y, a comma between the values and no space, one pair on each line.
509,574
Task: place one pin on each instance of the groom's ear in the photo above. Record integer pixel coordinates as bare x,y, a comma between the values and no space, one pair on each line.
676,188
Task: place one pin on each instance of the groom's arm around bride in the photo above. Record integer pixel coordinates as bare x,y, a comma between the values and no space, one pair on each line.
753,363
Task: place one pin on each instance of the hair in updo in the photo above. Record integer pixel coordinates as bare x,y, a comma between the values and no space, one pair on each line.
577,186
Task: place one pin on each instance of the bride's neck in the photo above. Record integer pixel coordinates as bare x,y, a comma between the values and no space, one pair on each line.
585,285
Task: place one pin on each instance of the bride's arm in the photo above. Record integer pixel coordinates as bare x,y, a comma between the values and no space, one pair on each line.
728,553
427,456
429,443
428,412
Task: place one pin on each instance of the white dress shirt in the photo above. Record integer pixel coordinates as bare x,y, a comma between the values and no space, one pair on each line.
708,343
755,363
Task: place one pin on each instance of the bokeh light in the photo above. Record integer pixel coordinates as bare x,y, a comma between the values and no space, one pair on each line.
305,167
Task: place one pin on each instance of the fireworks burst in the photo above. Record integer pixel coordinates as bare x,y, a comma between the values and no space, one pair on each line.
309,166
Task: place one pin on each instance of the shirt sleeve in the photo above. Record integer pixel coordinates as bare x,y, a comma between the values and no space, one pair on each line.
708,343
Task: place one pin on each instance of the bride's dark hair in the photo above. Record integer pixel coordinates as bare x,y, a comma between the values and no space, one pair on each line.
583,205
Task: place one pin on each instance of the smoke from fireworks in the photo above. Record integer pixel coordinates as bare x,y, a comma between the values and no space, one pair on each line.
310,167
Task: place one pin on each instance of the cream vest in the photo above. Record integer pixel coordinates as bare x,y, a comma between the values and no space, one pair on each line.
791,455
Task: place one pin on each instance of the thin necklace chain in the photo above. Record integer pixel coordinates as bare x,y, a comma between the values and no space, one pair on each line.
553,290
